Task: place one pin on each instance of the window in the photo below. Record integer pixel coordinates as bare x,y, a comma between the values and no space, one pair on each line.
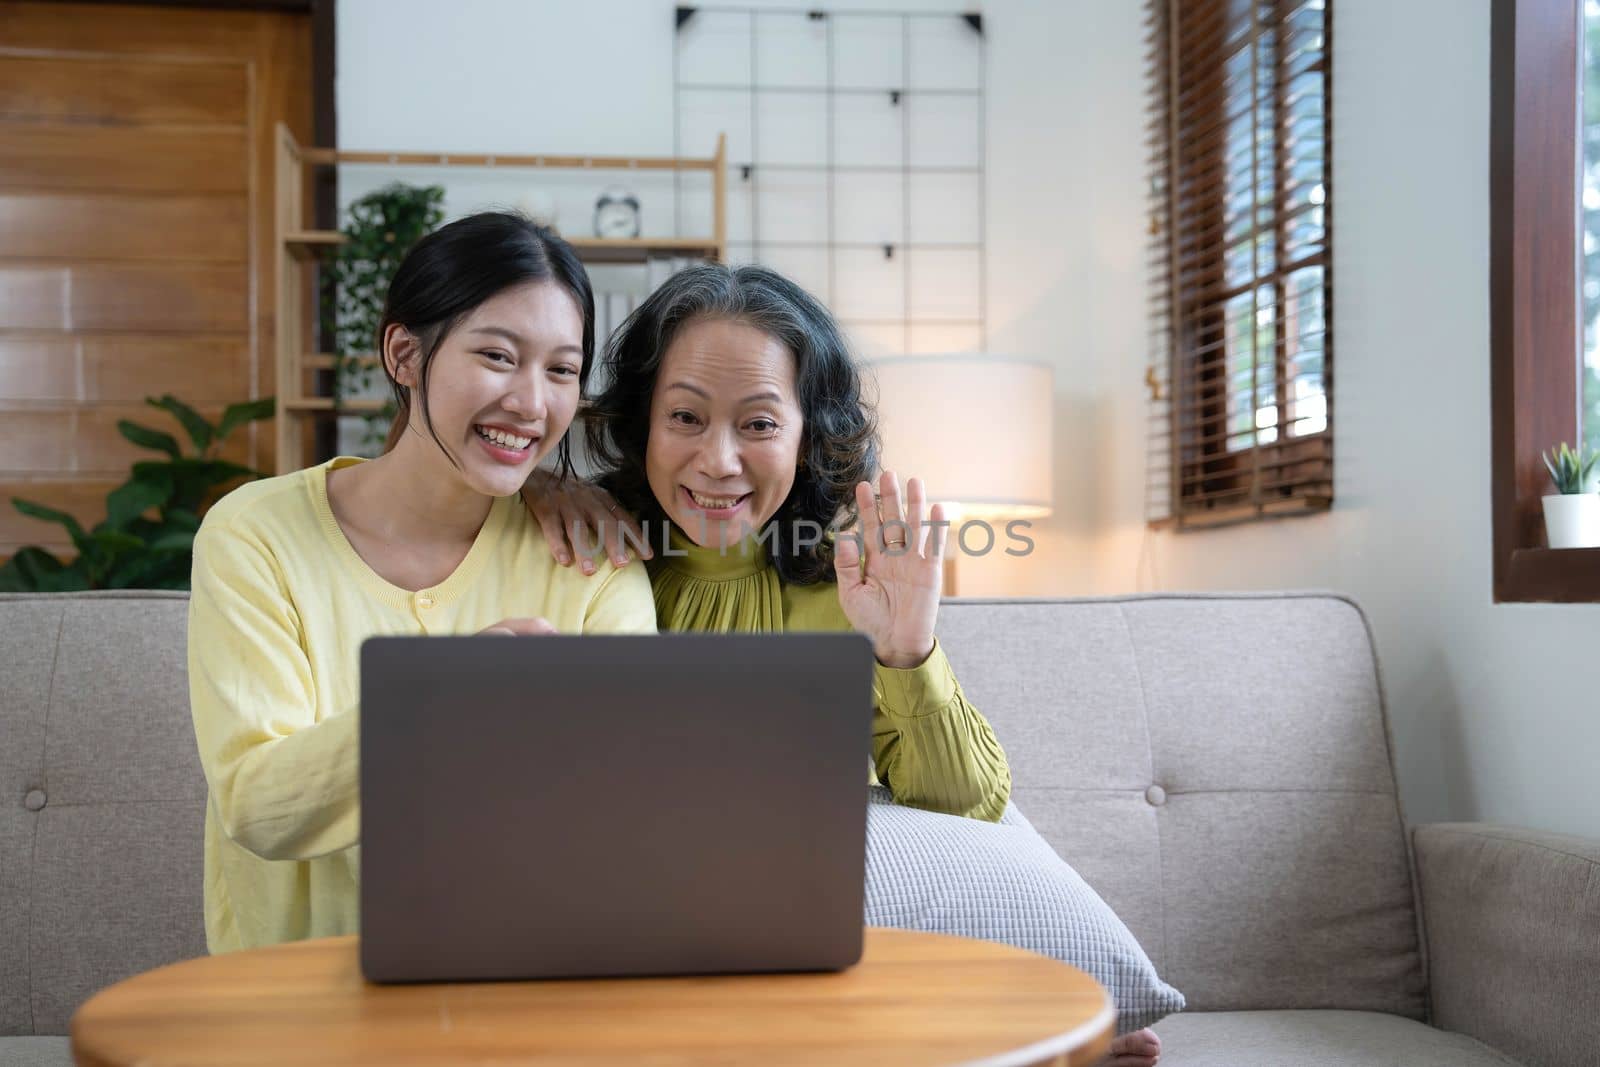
1542,307
1241,424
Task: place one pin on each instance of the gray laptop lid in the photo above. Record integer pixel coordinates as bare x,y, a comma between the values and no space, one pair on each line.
612,805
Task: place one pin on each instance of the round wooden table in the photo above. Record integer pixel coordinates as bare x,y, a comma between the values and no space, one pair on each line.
914,999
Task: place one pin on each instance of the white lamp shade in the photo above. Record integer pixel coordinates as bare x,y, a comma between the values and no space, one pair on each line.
975,428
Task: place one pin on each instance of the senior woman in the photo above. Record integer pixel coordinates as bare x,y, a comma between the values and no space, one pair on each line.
732,445
731,432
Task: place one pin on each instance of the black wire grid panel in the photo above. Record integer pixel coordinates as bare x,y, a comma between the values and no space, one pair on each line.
888,61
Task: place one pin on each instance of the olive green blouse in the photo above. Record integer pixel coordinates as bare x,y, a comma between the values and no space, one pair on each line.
930,746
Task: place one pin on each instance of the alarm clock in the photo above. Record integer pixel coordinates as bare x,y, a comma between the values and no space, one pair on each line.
616,214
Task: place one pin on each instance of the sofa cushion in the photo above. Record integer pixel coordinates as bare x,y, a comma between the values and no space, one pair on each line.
1315,1039
1513,926
101,849
1218,768
28,631
949,875
35,1052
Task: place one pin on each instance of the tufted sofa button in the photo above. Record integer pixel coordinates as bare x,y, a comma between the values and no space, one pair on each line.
1155,796
34,800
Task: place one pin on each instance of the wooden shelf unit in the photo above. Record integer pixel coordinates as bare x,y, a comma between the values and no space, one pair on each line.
299,253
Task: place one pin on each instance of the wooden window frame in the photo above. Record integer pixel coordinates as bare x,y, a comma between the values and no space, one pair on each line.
1200,486
1534,332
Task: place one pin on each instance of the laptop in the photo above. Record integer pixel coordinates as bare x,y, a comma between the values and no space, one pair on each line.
561,807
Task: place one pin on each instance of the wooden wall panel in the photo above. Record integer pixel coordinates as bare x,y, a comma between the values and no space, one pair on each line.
121,226
135,221
128,30
123,369
81,441
105,296
96,88
177,297
84,498
33,298
132,160
206,372
37,442
111,455
40,369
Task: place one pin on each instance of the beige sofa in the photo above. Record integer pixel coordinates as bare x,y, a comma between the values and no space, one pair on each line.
1218,767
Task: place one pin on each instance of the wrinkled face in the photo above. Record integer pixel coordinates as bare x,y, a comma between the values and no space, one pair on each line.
504,384
725,430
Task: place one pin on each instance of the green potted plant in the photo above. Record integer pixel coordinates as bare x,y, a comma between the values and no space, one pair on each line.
147,538
1572,512
380,229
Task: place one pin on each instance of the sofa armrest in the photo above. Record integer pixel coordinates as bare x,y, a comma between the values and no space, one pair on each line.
1512,921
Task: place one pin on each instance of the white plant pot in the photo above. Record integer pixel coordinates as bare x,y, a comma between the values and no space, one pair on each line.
1572,520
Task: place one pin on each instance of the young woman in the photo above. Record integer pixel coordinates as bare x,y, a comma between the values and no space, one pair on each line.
733,428
486,339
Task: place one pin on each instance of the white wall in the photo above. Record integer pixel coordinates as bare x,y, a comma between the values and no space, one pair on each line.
1495,708
1066,246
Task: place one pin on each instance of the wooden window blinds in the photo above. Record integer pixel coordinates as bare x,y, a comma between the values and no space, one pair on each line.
1241,423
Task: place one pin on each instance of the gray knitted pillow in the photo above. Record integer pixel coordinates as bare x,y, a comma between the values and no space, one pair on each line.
1003,882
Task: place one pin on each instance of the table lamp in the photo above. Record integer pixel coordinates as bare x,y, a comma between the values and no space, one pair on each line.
977,430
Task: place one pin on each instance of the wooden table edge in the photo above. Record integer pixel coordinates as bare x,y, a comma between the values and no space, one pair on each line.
1082,1046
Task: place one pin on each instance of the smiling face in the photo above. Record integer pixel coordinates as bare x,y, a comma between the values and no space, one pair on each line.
503,388
725,430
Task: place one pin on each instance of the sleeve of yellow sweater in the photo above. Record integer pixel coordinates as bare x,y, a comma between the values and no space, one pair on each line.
623,604
284,785
932,748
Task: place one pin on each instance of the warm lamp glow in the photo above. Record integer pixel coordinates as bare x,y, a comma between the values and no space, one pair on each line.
975,428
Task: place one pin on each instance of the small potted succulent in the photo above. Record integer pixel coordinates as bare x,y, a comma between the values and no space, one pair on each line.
1572,512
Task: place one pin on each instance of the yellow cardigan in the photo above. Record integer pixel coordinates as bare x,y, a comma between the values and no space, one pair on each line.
280,605
930,746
